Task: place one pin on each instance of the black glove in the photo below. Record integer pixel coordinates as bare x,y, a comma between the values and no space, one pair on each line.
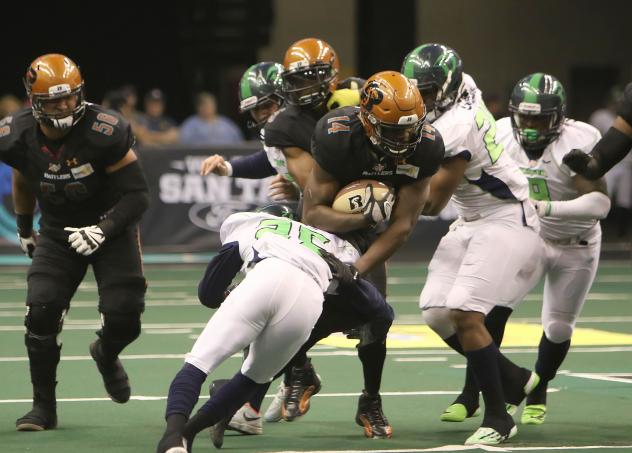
582,163
346,274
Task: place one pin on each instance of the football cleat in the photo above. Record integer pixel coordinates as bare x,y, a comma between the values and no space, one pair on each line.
172,443
37,419
114,376
304,383
486,435
246,421
531,382
273,413
457,412
371,417
217,432
533,414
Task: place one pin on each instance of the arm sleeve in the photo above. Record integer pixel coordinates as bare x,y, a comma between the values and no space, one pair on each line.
130,183
590,206
219,274
613,147
254,166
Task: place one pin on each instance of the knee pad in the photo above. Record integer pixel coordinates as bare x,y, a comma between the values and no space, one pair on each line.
120,327
44,320
438,319
374,332
559,331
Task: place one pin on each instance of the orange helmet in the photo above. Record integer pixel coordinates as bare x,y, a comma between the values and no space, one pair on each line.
311,72
54,76
392,113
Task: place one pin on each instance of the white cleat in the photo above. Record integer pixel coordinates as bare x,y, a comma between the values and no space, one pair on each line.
489,436
246,421
273,413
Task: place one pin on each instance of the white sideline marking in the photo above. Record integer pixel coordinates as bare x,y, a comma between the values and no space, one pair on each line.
603,377
421,359
340,353
468,447
320,395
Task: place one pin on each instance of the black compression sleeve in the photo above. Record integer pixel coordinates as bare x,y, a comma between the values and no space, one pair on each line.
612,147
129,182
254,166
25,224
219,274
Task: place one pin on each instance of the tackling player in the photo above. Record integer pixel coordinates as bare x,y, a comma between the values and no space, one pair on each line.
613,147
76,159
493,241
289,267
386,138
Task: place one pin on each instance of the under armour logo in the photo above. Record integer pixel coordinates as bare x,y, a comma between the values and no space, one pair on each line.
72,162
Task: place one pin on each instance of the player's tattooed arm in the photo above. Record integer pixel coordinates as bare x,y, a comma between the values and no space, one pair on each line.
318,197
443,184
409,203
24,206
299,164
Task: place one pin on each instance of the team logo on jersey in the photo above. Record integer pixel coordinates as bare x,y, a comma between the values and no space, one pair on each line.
53,167
82,171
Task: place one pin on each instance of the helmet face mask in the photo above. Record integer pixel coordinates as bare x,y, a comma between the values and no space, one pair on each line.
537,107
392,112
53,81
308,87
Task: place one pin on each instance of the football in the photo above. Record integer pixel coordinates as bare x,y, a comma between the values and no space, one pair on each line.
352,197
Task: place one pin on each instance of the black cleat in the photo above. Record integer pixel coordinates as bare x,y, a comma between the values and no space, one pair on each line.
217,432
371,417
114,376
304,384
37,419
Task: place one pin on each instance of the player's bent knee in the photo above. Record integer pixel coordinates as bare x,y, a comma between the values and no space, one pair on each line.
438,319
559,331
121,326
44,320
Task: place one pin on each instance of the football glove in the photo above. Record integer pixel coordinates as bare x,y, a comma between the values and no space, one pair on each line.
28,244
582,163
346,274
377,211
85,240
343,98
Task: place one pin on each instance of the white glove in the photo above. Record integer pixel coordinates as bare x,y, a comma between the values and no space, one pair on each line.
377,211
543,208
28,244
85,240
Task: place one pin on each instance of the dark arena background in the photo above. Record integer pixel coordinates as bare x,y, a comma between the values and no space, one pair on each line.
172,52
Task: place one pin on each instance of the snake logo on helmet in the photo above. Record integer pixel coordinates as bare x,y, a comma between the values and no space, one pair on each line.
50,78
259,86
538,108
311,72
437,70
392,113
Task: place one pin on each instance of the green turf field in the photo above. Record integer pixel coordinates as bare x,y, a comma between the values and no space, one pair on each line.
589,410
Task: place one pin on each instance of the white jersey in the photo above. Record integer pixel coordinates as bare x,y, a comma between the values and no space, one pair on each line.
277,159
261,235
491,178
549,178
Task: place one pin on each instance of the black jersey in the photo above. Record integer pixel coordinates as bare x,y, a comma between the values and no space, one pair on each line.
67,176
290,127
342,148
625,107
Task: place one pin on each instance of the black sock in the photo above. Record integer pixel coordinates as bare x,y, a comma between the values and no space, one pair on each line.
229,397
550,358
496,321
469,394
257,398
453,342
484,365
513,378
184,390
372,357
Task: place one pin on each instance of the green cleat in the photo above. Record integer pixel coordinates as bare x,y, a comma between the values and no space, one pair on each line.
533,414
489,436
457,412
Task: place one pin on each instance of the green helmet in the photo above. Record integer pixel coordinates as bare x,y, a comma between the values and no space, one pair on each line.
260,84
438,72
537,107
278,210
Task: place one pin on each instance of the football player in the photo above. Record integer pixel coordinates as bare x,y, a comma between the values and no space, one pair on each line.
537,135
76,160
386,139
289,267
613,147
493,241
